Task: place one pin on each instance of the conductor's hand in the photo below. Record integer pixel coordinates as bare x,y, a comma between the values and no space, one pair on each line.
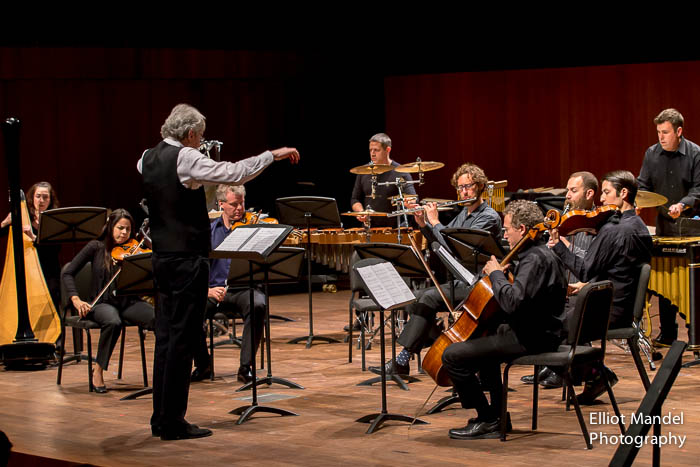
286,153
83,308
217,293
493,265
675,210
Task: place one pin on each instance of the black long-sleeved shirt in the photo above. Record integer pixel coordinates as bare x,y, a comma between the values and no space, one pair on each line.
616,253
676,175
362,193
535,299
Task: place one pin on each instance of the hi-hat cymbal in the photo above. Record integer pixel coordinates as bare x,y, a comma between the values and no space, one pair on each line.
423,166
649,199
371,169
365,213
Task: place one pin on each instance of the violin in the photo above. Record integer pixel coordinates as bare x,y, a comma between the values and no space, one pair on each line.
131,247
579,220
253,218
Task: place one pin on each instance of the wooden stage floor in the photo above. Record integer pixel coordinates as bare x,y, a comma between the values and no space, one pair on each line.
67,423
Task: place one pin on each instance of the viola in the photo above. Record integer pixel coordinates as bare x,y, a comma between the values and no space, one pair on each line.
253,218
579,220
131,247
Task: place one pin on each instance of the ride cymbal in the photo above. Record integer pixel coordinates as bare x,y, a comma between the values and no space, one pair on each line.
371,169
422,166
649,199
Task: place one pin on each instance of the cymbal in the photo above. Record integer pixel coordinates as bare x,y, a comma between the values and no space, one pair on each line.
365,213
423,166
649,199
435,200
371,169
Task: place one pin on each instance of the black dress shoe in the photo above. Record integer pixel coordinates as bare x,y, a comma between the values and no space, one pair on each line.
596,387
391,368
100,389
356,326
663,341
155,430
552,381
200,374
188,432
478,429
245,374
530,379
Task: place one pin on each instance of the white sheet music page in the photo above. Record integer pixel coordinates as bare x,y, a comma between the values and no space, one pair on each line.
256,239
386,285
456,264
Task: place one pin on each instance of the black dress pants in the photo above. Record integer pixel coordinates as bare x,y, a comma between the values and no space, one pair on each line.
181,281
483,355
421,328
236,301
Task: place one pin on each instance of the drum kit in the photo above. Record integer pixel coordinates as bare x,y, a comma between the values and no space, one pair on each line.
402,199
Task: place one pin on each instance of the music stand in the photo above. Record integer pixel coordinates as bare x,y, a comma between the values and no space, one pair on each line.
406,264
472,245
136,278
71,225
283,265
390,298
253,244
309,211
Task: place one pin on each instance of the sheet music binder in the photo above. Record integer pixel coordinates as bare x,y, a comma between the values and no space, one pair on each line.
386,287
457,270
252,242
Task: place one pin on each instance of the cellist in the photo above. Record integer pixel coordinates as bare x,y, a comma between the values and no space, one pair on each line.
469,180
529,323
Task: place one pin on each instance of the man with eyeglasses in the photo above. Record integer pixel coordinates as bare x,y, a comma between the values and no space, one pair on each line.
470,181
231,200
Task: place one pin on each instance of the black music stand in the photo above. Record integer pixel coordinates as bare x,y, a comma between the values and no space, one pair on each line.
387,299
136,278
406,264
283,265
651,407
473,246
253,244
71,225
309,211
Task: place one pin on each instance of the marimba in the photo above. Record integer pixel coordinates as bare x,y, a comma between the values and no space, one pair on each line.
675,275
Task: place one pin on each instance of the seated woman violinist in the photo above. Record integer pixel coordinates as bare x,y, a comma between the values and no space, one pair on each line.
109,311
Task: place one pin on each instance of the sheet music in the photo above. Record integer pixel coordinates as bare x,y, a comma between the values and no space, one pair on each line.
256,239
467,276
386,285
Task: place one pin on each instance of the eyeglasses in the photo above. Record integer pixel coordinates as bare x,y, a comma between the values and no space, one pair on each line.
467,186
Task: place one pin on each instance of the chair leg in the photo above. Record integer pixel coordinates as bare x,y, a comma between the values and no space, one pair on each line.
535,396
62,354
634,349
91,388
211,347
142,340
504,404
121,353
350,313
613,401
572,397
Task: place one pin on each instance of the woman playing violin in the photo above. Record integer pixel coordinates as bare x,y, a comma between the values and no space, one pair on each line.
41,197
109,311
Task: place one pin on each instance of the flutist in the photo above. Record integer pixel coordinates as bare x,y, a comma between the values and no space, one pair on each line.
421,329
